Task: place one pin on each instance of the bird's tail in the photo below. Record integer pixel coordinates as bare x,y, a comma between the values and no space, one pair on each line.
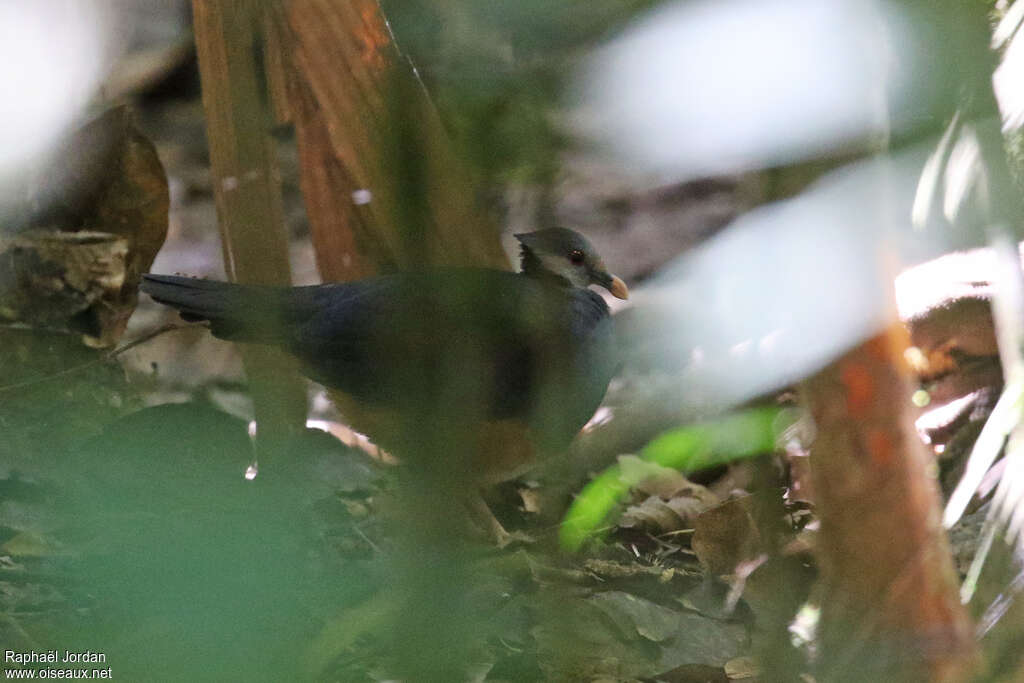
245,313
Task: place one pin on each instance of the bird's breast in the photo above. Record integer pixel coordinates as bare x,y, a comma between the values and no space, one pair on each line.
501,449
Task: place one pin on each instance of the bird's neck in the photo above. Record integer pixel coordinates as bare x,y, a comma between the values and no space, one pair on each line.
532,267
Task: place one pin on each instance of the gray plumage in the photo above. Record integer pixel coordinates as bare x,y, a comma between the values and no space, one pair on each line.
491,344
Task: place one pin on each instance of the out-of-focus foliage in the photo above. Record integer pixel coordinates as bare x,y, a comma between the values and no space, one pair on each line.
704,87
736,315
174,551
156,546
497,70
687,449
968,173
52,55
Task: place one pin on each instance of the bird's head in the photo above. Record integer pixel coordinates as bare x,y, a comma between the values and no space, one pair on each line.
566,255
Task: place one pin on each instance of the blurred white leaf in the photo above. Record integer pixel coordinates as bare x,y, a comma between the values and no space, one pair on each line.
1007,509
1008,25
1004,417
929,185
788,286
52,56
1010,74
713,86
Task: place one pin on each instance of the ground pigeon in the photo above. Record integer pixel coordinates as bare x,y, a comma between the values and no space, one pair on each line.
525,358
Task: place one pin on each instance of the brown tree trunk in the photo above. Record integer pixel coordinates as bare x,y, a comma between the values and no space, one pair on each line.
889,595
382,188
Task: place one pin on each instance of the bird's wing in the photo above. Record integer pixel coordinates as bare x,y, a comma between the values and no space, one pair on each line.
412,335
488,343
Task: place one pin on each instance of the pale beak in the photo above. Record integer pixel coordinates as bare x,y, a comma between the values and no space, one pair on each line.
600,276
618,288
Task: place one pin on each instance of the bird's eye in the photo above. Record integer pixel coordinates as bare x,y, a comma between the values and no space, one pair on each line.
576,257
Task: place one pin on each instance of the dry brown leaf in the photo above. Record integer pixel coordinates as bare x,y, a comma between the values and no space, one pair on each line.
51,279
673,501
726,535
742,668
105,204
653,515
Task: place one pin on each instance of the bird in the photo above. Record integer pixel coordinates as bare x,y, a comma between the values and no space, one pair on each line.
508,366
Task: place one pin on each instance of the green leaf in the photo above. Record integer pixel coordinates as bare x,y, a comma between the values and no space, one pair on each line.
688,449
